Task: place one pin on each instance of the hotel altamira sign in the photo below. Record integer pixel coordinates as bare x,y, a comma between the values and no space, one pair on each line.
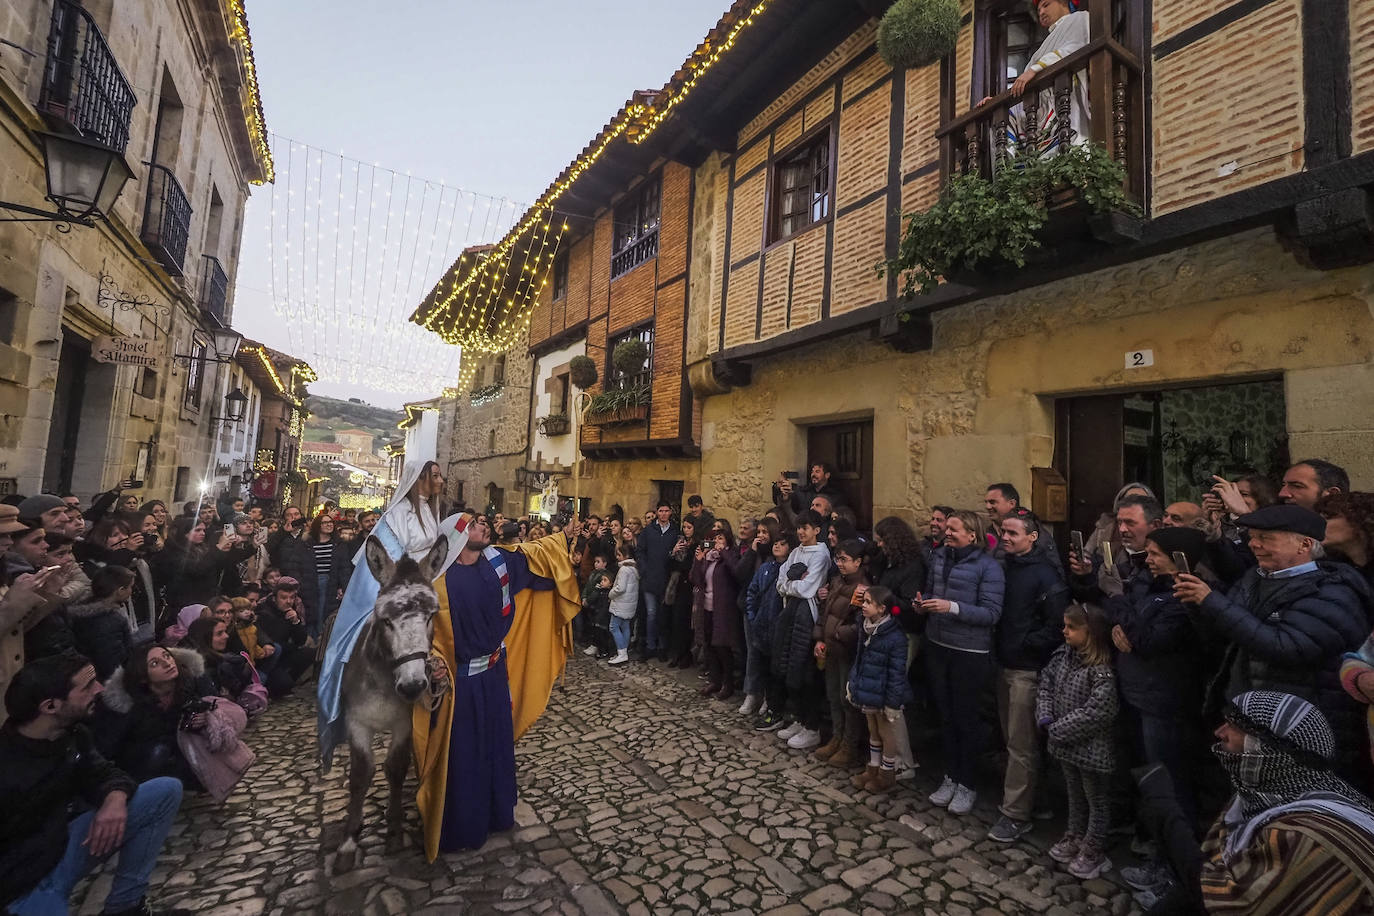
127,351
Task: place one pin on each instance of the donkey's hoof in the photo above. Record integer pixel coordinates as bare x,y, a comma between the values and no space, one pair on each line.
345,861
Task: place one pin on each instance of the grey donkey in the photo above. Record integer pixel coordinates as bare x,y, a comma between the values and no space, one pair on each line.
384,678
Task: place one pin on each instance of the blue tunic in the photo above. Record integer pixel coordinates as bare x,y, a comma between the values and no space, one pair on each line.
481,763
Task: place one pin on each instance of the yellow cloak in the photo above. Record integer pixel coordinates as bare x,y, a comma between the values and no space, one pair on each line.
537,648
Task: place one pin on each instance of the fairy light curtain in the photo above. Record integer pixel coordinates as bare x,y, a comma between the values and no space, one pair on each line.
349,247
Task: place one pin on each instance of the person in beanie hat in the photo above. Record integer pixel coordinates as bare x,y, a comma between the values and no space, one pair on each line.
1295,837
45,511
1287,623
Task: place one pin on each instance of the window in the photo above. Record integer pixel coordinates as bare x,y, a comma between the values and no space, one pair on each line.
636,229
801,188
1006,35
560,275
182,485
562,393
9,317
147,383
498,372
195,373
642,376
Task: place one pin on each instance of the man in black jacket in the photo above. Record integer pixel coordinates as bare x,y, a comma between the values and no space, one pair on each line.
1287,622
1028,632
655,545
292,554
67,808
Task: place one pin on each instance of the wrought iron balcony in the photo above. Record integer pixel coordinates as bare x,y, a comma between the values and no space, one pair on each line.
214,290
635,253
166,218
83,86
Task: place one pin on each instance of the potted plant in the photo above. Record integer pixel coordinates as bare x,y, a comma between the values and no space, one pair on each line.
917,33
629,356
582,372
619,405
981,225
555,424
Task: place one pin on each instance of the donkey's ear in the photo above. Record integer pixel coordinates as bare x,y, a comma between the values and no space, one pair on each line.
378,560
433,564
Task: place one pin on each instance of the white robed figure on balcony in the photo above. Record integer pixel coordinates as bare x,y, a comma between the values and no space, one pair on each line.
1070,29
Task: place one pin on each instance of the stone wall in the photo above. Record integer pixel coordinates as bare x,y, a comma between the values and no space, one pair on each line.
485,443
979,406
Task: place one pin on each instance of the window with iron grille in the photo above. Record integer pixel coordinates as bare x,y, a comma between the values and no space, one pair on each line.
560,275
644,374
195,373
635,238
801,188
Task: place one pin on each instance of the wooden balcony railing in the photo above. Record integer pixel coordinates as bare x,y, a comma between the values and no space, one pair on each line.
634,254
82,83
978,140
166,218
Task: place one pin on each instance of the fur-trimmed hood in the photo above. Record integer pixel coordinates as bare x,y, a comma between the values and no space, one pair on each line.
189,666
91,609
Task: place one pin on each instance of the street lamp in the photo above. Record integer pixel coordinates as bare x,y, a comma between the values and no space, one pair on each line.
84,181
235,404
227,342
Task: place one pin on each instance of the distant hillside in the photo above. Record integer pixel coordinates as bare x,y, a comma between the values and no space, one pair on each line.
329,415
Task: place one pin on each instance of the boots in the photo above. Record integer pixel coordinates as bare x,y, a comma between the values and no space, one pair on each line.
824,752
621,657
862,780
883,782
844,756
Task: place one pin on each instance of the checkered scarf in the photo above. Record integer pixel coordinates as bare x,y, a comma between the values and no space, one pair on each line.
1288,749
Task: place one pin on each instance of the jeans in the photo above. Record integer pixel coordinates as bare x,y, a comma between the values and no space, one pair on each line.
312,626
620,632
956,680
651,640
150,814
756,662
1016,707
846,722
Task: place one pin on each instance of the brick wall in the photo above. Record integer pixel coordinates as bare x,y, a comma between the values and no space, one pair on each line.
1362,73
864,147
1234,96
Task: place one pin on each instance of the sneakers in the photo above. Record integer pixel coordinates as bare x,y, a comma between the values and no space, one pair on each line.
1008,830
590,650
751,704
1144,847
905,773
804,739
942,796
1089,863
789,730
768,723
962,802
1066,850
1145,877
621,657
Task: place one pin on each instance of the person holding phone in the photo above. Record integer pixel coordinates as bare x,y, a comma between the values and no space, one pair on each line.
1160,665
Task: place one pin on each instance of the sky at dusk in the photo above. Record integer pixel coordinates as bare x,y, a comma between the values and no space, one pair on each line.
404,132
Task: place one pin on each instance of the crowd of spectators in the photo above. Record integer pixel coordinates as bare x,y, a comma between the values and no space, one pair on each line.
134,647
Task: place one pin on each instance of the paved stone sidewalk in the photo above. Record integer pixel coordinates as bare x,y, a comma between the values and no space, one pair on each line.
637,797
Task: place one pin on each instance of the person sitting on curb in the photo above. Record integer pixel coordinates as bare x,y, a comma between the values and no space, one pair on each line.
49,769
1295,838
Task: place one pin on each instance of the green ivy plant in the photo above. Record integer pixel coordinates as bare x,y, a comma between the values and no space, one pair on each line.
917,33
979,220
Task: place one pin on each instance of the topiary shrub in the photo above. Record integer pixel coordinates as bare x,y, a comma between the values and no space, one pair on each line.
917,33
582,371
629,355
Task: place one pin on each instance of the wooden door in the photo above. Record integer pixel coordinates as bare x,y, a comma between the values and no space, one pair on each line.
1090,455
848,447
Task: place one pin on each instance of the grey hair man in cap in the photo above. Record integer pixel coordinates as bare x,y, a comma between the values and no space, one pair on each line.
1287,622
46,511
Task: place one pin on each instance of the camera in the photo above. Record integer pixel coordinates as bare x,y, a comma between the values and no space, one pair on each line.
193,708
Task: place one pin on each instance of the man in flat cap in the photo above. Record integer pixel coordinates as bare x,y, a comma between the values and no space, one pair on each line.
1287,623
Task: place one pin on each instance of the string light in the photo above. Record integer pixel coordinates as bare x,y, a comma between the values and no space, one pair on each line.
257,122
464,315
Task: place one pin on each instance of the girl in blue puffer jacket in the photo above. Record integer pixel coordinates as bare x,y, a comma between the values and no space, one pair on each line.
879,687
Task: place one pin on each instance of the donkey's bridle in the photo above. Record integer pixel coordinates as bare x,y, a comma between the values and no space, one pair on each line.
412,657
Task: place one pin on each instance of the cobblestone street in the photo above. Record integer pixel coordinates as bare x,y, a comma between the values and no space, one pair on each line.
637,797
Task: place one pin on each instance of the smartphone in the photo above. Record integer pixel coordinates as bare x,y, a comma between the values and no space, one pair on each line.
49,568
1181,563
134,482
1107,554
1076,543
791,475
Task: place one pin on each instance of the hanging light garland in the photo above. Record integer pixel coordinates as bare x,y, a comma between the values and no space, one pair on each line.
468,312
257,123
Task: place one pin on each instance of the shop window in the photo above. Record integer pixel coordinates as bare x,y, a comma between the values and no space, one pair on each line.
801,188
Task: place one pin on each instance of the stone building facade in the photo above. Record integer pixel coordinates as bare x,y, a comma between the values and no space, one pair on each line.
1224,326
166,82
